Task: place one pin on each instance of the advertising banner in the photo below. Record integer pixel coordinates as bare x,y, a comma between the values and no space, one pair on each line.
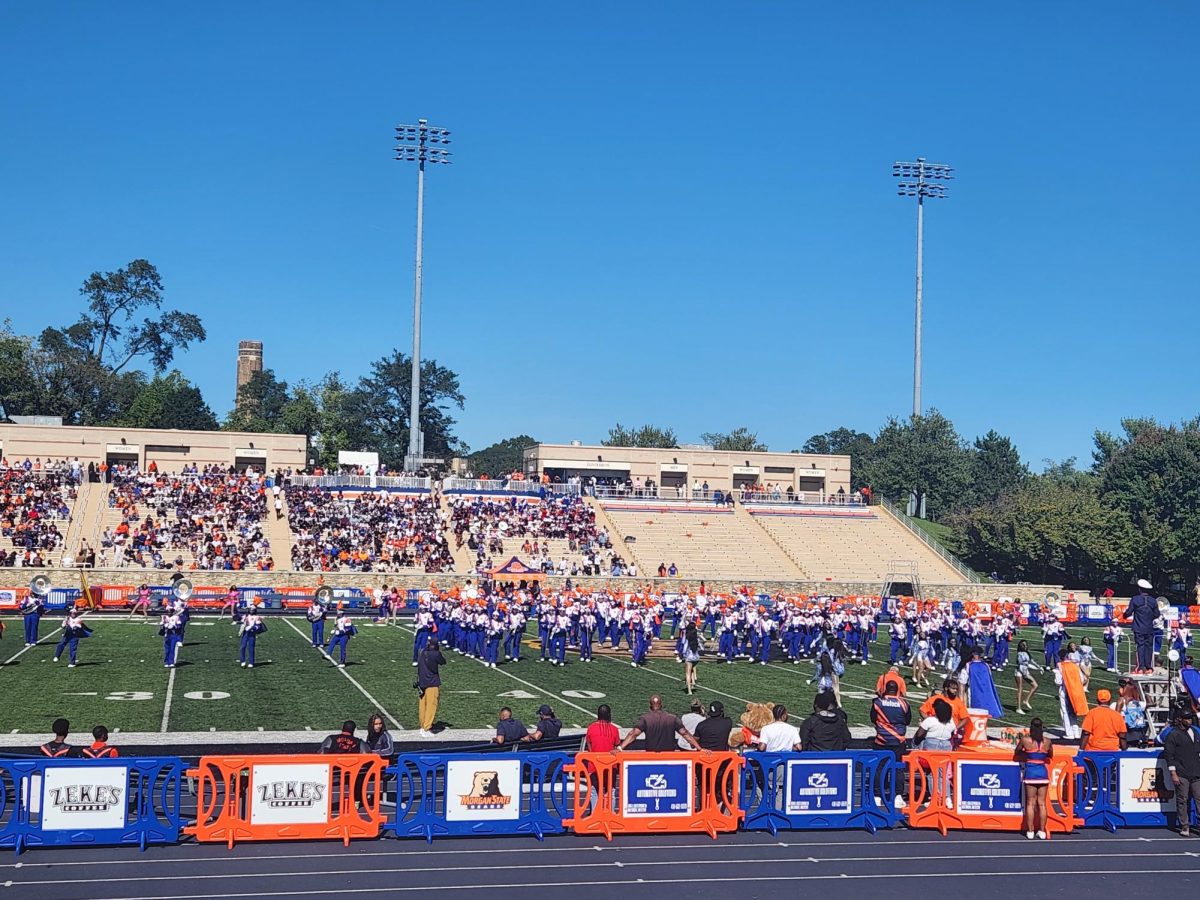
1144,786
818,787
988,788
78,798
486,790
659,788
289,794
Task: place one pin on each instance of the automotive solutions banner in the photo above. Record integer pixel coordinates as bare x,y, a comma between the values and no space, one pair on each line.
818,787
659,788
987,788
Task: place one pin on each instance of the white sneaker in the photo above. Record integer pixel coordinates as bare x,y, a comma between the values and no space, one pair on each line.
1029,835
340,666
250,666
1041,835
243,665
71,666
414,664
56,659
424,733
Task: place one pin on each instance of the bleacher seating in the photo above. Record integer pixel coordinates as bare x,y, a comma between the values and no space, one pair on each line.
852,544
702,542
558,534
35,510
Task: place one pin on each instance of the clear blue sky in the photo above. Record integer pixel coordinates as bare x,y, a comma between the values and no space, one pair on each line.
679,213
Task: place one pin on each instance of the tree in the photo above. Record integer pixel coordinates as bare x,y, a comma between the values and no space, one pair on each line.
740,439
858,445
260,405
923,454
502,457
21,389
996,468
108,332
642,436
169,401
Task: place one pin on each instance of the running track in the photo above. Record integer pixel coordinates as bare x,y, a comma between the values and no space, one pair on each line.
890,864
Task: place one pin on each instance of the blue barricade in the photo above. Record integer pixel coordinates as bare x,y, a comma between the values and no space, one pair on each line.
469,793
794,791
63,598
90,802
1125,790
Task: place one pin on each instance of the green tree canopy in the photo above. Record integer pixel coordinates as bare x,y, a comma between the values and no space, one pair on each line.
996,468
740,439
502,457
169,401
923,454
641,436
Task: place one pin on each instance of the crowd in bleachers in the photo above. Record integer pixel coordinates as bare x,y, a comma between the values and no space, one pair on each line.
36,499
366,532
214,515
495,528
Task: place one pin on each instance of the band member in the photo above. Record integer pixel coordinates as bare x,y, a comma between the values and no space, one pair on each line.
252,626
425,631
343,630
171,630
74,628
32,608
316,621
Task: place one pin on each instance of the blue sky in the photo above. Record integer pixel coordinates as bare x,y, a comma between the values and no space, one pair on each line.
679,213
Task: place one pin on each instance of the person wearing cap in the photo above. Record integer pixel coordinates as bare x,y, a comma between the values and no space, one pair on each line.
1143,611
547,728
713,732
344,741
1103,728
691,719
1181,752
57,747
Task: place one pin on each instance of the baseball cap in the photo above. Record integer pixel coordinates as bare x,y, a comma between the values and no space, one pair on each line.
716,708
545,710
1103,695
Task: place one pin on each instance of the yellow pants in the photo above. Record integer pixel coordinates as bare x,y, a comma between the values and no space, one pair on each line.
427,708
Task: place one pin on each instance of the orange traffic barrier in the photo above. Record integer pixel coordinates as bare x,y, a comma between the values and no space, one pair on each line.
272,798
1194,615
115,596
643,793
982,790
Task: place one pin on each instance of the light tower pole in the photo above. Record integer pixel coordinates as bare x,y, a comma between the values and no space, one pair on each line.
920,179
421,143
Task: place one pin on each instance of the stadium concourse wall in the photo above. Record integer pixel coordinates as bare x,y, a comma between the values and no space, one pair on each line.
281,578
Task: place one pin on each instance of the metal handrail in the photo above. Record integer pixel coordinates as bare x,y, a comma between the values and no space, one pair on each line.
933,543
369,482
508,486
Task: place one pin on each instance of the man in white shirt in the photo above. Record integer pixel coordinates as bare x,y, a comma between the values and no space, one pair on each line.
779,736
690,720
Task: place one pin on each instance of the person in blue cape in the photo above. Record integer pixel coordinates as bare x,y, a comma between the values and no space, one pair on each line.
981,688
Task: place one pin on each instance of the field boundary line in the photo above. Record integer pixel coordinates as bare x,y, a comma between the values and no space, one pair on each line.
14,657
362,690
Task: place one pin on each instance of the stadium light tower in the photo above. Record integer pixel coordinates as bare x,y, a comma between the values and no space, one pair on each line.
920,179
421,143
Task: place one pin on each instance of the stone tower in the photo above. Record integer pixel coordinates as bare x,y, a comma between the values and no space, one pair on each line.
249,361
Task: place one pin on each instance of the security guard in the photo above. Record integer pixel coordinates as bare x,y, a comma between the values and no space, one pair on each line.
32,608
316,621
58,748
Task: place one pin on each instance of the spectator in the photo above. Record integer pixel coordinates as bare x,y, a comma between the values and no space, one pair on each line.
1181,752
379,739
936,732
713,732
891,716
57,747
547,728
602,735
99,748
827,730
691,719
509,730
779,736
344,741
429,686
660,728
1103,728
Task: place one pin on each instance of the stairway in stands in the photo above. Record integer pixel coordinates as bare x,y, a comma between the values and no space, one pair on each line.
279,533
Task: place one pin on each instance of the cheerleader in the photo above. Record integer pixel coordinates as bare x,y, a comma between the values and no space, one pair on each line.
343,630
1087,659
1113,635
232,598
922,662
315,615
32,608
252,626
141,601
169,628
1023,676
73,628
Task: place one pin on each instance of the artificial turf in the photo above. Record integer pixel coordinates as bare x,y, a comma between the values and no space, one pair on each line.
121,682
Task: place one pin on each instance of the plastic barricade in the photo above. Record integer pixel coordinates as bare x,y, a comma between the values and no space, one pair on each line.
982,790
116,596
439,795
90,803
10,598
797,791
1125,790
644,793
63,598
301,797
1194,615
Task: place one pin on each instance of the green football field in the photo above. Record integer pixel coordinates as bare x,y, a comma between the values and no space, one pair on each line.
121,682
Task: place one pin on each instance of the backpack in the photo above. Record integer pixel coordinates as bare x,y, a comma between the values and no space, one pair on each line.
1135,715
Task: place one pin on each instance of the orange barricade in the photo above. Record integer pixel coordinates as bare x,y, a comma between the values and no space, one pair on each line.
115,596
273,798
642,793
982,790
1194,615
1072,612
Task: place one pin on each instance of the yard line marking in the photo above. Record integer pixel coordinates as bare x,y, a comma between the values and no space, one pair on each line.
170,693
615,864
362,690
23,649
677,678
